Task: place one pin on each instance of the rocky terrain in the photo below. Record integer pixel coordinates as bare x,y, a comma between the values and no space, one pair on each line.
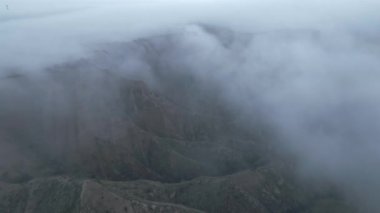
131,129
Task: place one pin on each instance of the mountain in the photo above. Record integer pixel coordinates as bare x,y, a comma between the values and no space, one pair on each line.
134,128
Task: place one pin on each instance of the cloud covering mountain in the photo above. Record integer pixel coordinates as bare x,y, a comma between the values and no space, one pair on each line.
306,70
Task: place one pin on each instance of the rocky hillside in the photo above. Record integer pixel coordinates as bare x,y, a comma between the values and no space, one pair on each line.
261,190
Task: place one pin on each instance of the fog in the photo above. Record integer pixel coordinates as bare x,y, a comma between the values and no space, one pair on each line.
311,69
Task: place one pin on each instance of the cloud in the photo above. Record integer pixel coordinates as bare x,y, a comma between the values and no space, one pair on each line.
37,33
317,89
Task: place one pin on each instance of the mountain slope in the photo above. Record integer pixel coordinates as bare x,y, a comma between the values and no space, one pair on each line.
81,137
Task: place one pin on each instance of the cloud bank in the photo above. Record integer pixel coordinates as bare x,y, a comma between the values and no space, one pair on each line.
34,34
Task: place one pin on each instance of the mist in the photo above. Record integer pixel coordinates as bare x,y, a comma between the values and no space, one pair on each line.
308,69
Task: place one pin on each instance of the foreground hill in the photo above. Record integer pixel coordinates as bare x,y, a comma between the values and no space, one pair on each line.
262,190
